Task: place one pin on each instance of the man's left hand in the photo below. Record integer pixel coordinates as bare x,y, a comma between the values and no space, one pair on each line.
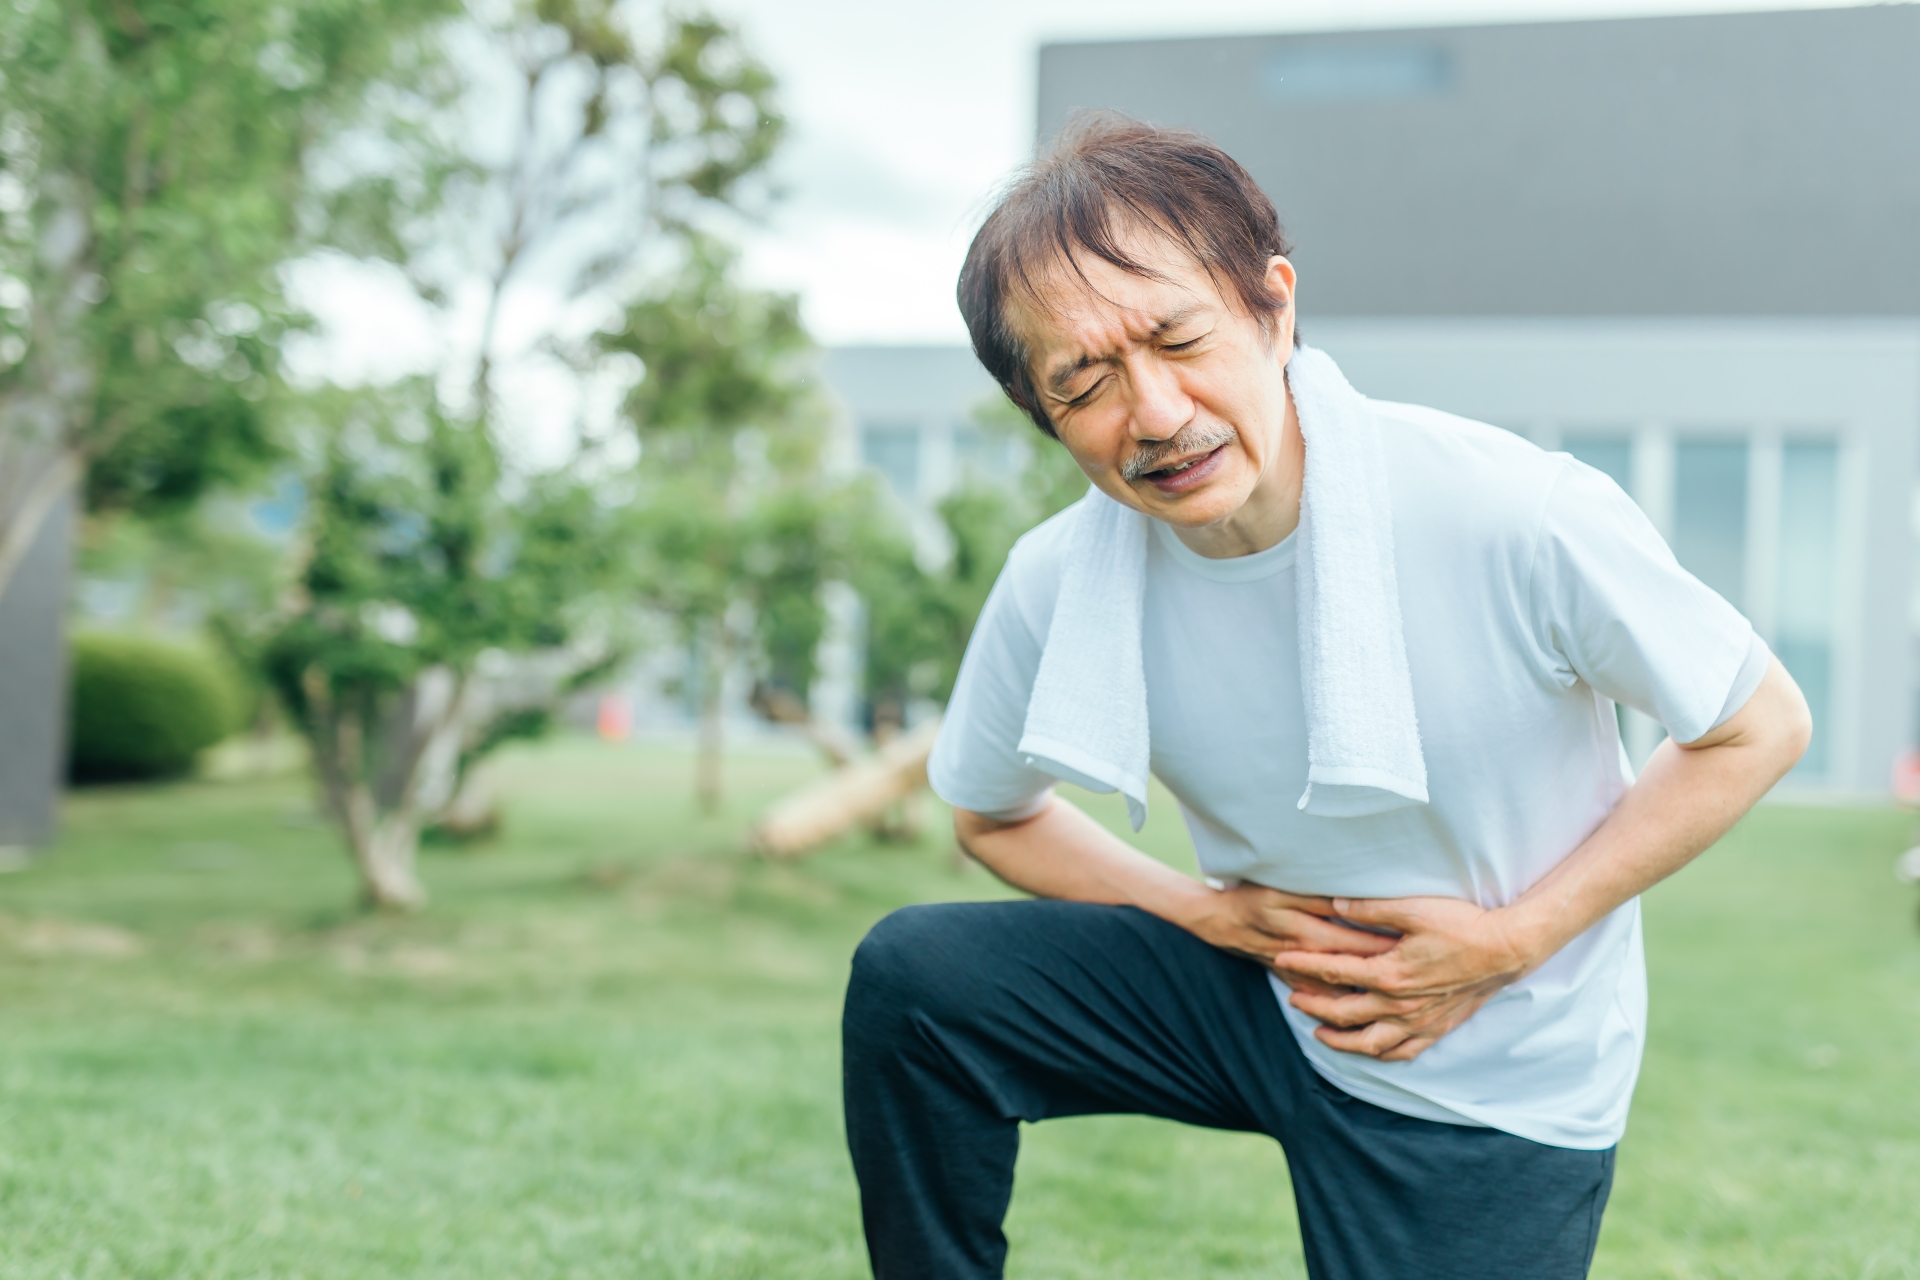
1450,959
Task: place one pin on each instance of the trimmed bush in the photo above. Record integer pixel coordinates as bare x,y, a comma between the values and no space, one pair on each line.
144,708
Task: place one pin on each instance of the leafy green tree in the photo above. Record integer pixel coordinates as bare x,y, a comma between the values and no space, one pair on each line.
152,168
439,612
918,618
541,161
742,526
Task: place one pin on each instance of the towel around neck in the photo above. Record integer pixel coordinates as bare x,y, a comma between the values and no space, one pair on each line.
1087,717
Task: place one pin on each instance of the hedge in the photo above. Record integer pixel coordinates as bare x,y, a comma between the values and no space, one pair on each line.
144,708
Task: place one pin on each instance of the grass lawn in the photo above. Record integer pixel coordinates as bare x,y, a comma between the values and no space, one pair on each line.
610,1048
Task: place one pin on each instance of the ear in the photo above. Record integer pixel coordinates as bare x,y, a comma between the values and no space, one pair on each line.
1281,283
1281,277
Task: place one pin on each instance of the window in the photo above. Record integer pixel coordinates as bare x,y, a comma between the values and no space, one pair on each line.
1612,454
1334,73
893,449
1710,514
1804,608
982,455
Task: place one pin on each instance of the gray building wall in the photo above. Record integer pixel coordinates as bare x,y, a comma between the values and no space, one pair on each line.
33,685
1747,164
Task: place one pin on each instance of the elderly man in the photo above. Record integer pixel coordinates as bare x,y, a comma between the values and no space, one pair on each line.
1374,651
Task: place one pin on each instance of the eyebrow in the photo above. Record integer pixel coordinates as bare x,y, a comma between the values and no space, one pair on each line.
1057,380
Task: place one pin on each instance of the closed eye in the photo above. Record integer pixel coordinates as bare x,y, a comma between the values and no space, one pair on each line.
1086,395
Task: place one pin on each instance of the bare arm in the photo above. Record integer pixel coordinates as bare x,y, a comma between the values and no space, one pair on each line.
1453,956
1060,852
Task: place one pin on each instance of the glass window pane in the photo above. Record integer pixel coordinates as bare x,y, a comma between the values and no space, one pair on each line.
894,451
1809,547
1710,514
1612,454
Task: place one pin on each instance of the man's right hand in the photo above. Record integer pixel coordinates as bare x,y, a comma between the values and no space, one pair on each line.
1059,852
1259,923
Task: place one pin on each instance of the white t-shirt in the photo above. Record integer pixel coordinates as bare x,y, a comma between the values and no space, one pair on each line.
1534,595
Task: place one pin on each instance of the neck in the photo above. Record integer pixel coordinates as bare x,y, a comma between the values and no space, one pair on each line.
1271,511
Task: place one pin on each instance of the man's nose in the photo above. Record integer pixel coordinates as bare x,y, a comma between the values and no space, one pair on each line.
1160,405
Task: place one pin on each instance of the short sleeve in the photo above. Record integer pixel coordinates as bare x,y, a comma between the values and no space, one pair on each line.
1611,606
976,763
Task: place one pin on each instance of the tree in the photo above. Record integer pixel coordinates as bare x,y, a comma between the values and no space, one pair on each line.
548,160
743,529
440,611
539,160
919,618
152,165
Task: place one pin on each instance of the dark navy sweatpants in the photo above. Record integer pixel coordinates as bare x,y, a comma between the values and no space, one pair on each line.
964,1019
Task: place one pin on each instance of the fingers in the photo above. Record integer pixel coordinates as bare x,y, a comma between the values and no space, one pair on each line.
1409,1049
1375,1040
1403,1031
1313,933
1280,900
1338,969
1350,1009
1403,914
1309,920
1312,986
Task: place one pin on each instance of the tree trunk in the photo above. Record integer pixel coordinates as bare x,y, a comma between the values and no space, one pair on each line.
707,780
384,848
474,811
387,865
384,845
45,413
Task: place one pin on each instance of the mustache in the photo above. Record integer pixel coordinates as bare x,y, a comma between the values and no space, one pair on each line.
1191,439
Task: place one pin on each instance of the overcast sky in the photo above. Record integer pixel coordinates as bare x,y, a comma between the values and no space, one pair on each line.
907,113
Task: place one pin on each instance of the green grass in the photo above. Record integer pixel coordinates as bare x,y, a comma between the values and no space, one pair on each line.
610,1049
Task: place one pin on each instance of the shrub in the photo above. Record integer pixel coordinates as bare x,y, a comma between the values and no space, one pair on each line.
144,708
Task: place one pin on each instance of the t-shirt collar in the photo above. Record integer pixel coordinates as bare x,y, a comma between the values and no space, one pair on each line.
1276,559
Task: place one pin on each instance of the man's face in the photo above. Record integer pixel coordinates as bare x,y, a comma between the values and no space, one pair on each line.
1171,399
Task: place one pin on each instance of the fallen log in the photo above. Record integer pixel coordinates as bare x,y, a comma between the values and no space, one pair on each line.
856,793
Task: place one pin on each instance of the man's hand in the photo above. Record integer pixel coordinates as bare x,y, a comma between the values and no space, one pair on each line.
1060,852
1394,1003
1260,923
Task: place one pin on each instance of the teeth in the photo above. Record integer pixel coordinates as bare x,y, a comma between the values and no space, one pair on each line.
1183,466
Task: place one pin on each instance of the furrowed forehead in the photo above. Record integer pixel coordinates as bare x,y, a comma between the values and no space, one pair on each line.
1052,298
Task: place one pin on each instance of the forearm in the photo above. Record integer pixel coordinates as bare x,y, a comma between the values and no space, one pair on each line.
1686,798
1060,852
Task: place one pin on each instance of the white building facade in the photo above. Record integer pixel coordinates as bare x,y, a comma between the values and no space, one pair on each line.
1776,458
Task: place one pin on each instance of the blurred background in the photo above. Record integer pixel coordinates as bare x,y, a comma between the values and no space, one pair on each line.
493,497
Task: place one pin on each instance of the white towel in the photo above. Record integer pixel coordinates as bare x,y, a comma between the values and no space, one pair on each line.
1087,719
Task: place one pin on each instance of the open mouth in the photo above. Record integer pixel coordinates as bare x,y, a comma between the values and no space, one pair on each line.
1177,477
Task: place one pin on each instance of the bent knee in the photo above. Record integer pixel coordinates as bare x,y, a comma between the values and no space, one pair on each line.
908,963
898,946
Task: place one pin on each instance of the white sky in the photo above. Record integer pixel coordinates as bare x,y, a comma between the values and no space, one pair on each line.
906,114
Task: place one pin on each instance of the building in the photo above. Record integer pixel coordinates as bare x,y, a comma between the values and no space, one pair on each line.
1684,249
912,414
